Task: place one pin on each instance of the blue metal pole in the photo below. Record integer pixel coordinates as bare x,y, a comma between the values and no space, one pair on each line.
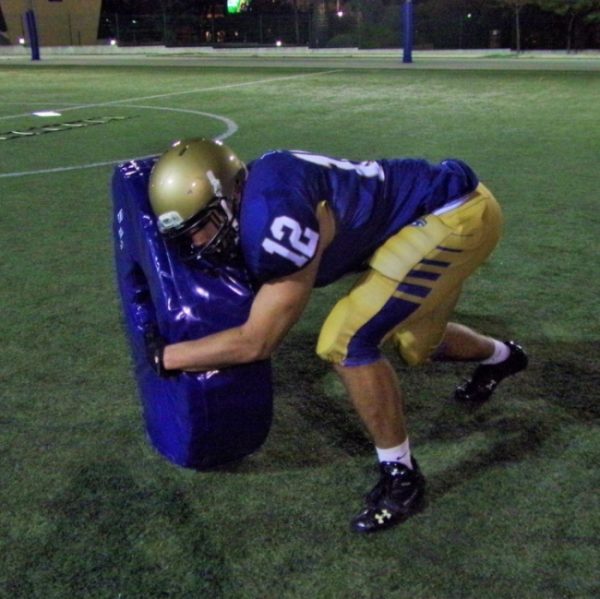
408,31
33,35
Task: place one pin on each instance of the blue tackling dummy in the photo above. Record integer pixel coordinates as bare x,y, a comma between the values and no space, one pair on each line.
195,420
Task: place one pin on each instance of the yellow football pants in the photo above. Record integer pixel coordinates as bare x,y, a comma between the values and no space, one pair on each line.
412,285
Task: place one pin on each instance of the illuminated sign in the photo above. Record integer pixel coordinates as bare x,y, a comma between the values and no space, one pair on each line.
235,6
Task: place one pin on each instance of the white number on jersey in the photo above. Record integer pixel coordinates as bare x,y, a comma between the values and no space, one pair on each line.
287,230
368,168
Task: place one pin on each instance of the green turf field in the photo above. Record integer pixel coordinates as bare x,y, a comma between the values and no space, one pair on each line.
87,509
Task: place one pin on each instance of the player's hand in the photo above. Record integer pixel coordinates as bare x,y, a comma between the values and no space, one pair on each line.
155,348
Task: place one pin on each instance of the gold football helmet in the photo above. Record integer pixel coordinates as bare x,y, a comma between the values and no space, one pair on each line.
195,182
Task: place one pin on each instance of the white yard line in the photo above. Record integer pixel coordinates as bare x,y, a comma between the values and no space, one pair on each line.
232,127
197,90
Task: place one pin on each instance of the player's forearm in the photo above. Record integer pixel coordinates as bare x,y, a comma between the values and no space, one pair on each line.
220,350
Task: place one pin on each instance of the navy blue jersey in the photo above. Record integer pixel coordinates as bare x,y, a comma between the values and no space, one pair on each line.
370,201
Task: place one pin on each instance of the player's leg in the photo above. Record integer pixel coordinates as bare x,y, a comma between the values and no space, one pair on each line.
375,392
351,338
376,395
406,286
448,265
461,343
431,259
500,360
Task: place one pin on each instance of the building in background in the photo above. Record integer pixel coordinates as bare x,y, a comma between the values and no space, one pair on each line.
59,22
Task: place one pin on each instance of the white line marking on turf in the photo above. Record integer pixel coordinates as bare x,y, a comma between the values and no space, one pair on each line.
231,129
231,125
125,101
197,90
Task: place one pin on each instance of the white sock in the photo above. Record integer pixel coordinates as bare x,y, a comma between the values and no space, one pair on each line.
400,453
501,352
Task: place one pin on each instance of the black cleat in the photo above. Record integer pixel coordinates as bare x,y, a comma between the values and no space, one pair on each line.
487,377
400,493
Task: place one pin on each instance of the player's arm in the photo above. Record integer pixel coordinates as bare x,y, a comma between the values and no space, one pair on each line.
275,309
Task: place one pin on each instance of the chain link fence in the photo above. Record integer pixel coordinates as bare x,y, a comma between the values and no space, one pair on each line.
355,24
436,26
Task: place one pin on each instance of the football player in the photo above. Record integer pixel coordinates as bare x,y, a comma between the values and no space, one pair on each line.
300,220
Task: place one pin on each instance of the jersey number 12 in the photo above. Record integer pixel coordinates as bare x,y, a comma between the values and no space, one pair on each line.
300,245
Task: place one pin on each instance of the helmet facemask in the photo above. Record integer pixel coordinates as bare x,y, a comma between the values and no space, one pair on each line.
223,246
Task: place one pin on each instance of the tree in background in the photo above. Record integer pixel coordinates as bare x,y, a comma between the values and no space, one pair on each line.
585,11
458,24
516,6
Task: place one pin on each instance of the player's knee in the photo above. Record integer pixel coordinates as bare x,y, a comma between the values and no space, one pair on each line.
330,354
331,346
411,350
338,343
358,356
414,358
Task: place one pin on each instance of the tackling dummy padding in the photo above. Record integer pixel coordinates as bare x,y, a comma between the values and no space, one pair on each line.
196,420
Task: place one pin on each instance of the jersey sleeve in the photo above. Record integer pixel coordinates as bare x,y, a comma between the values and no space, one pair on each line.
456,178
279,230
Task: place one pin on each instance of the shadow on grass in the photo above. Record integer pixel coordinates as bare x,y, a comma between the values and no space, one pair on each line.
564,384
102,533
103,539
509,439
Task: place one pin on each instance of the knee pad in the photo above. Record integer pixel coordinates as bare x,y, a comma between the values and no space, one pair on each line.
411,350
417,341
333,339
195,420
338,340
